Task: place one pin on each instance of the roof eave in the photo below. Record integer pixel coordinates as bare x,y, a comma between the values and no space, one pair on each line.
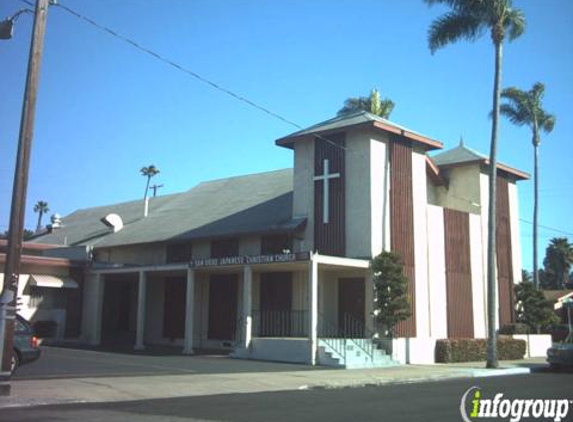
433,172
518,174
430,144
45,261
288,141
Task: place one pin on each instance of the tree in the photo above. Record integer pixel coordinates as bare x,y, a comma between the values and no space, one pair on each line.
524,108
372,104
532,308
390,291
557,263
149,172
28,234
526,276
41,208
468,19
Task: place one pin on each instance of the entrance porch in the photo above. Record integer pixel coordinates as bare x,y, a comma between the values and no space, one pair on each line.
312,309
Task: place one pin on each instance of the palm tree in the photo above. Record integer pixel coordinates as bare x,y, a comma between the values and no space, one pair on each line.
524,108
468,19
148,172
372,104
41,208
558,261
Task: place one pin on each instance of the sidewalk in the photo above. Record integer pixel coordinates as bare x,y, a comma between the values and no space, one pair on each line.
110,389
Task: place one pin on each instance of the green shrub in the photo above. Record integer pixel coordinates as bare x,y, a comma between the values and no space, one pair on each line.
518,328
475,349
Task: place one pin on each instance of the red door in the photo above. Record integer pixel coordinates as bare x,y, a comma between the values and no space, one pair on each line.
223,296
351,307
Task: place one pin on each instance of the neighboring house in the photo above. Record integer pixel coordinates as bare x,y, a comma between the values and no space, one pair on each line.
276,265
49,289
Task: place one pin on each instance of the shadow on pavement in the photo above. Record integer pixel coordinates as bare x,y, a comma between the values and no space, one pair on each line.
88,362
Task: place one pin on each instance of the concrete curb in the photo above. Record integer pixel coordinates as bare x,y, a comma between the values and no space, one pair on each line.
89,390
481,373
462,373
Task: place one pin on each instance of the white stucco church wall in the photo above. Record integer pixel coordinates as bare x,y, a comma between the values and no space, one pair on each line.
317,286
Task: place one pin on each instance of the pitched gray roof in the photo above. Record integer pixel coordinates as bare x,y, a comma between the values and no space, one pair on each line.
345,120
238,205
461,155
458,155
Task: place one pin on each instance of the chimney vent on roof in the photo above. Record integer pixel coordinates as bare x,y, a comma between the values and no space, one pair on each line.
56,223
113,221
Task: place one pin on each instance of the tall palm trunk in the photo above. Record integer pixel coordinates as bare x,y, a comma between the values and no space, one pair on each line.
492,221
535,202
39,225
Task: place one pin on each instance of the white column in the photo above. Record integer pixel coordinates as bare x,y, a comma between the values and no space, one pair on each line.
140,311
189,312
247,306
313,308
92,309
420,203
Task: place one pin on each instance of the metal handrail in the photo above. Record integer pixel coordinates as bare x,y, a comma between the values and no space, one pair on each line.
291,323
359,334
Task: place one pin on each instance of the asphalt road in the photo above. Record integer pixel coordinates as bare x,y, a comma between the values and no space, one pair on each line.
433,401
57,362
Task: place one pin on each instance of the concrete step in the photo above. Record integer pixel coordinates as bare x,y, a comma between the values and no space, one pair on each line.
354,355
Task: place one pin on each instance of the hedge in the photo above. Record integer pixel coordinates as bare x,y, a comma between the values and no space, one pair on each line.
475,349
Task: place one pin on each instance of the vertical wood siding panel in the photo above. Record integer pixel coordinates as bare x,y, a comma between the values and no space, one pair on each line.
330,239
402,223
458,274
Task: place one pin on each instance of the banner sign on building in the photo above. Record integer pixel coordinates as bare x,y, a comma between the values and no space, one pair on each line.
249,260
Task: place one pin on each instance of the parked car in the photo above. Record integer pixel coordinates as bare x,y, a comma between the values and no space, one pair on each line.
26,347
560,355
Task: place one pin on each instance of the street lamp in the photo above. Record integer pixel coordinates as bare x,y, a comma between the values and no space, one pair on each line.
7,25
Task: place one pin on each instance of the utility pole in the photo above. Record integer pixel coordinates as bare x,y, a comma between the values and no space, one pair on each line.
17,211
155,187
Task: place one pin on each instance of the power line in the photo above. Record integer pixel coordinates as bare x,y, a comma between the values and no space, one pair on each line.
219,87
547,227
176,65
190,72
521,219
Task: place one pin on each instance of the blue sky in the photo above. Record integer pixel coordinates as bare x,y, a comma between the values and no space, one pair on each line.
105,109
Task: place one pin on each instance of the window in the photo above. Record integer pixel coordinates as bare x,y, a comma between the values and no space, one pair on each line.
225,247
178,252
276,244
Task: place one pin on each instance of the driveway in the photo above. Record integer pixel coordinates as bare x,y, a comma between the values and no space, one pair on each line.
60,362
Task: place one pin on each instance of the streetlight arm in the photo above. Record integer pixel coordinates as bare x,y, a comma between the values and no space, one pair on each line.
7,25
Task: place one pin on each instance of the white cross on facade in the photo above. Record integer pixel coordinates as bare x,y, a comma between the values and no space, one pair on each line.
325,177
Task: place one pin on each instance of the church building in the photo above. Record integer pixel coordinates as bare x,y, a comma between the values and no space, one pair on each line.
276,266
